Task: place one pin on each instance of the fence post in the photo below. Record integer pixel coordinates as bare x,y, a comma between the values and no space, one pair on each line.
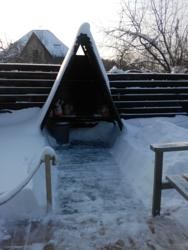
157,187
48,182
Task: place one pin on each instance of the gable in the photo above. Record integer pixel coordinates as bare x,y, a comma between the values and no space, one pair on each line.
52,44
82,82
34,51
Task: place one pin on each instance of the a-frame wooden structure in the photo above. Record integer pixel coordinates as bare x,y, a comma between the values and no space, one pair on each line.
81,92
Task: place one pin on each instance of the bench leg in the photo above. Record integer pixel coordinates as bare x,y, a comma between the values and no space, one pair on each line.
157,187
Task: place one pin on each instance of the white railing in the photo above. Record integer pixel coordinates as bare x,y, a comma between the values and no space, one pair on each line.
48,157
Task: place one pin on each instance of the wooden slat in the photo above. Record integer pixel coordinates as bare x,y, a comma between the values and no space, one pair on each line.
180,184
24,90
150,76
26,82
145,110
148,83
29,67
25,74
149,115
22,98
20,105
168,147
185,176
150,97
38,83
129,104
145,91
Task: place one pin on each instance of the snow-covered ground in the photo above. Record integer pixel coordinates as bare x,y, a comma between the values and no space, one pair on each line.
103,186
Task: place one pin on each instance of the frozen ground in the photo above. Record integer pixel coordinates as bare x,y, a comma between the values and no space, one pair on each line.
103,188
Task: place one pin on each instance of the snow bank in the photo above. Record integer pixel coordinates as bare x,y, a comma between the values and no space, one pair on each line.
20,148
6,197
133,154
22,142
116,70
132,160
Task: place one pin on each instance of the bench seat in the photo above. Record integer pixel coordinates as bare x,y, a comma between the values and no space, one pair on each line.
180,183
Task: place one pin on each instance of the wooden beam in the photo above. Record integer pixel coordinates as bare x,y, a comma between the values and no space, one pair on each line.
169,147
180,184
157,186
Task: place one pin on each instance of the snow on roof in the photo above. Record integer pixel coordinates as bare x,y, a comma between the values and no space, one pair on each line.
84,29
48,39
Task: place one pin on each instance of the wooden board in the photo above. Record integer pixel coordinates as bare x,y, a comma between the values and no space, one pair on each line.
150,76
26,82
180,183
170,147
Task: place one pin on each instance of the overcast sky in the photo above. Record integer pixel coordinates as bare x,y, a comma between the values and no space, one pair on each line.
62,17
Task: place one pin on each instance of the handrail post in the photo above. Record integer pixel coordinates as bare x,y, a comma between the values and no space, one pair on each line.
47,161
157,187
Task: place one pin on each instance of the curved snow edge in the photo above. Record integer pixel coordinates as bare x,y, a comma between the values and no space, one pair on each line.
5,197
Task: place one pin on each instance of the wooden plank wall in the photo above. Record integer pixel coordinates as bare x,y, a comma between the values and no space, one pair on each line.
135,95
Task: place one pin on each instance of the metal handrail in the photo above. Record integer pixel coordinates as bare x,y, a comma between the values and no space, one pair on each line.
48,157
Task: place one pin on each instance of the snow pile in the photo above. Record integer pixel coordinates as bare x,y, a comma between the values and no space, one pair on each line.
116,70
110,186
6,197
20,148
133,153
48,151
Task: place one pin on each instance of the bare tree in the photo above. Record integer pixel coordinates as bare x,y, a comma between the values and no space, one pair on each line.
154,33
5,46
9,52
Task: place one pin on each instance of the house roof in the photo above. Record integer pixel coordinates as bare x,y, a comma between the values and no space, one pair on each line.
48,39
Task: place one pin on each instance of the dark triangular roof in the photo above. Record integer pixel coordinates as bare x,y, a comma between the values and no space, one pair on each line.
82,81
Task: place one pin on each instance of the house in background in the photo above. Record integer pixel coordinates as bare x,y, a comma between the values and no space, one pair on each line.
37,46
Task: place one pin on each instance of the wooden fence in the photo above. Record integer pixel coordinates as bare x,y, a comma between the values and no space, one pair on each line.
135,95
